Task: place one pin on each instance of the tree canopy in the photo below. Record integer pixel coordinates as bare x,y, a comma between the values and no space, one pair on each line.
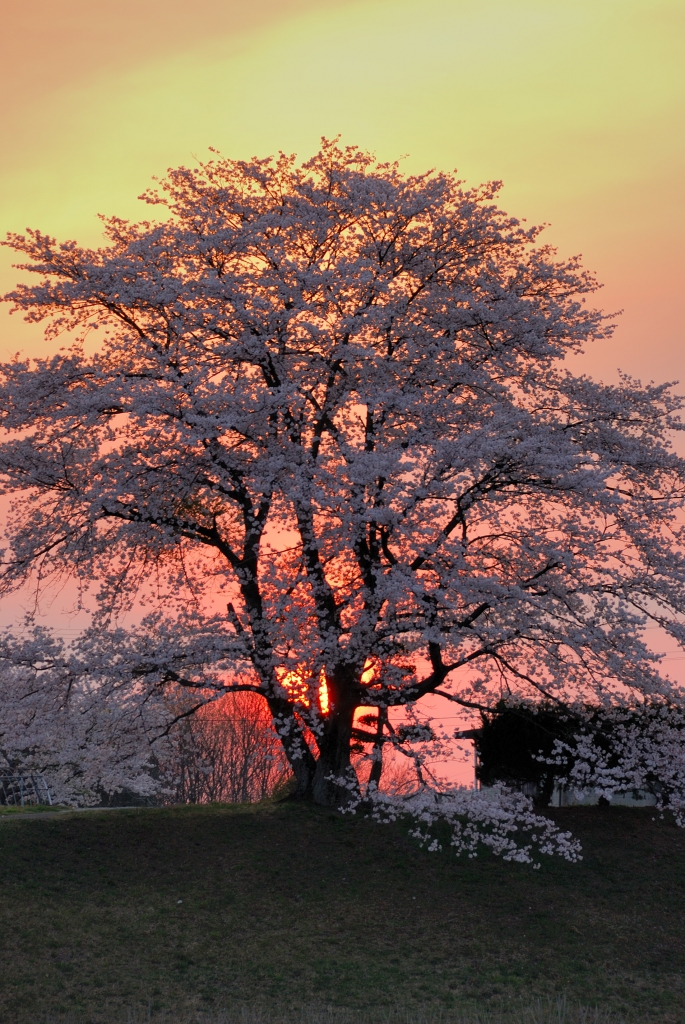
328,435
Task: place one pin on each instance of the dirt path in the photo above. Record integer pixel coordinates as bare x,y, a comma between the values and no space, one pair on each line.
25,815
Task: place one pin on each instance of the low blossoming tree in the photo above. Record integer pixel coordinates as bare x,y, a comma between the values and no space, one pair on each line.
634,747
329,437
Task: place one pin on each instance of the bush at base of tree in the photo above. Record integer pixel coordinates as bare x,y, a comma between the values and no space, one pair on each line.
515,741
227,752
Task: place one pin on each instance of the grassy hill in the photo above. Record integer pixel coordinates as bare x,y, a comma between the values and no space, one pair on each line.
285,907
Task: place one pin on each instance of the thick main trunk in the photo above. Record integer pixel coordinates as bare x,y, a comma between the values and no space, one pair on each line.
329,780
335,782
300,757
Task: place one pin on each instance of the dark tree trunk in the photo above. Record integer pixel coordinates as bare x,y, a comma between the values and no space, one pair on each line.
300,758
328,780
333,763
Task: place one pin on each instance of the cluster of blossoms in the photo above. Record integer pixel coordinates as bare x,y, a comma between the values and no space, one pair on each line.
94,734
636,748
86,738
496,818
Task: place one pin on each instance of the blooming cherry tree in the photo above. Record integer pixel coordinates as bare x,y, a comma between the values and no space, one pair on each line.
329,437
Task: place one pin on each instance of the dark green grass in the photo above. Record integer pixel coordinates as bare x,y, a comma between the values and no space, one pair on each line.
287,907
13,809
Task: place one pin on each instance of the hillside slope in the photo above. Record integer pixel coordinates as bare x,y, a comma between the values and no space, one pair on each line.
284,907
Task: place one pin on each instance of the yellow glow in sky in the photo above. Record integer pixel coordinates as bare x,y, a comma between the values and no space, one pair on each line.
577,105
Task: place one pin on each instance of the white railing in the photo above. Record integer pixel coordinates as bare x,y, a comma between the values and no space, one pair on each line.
23,790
